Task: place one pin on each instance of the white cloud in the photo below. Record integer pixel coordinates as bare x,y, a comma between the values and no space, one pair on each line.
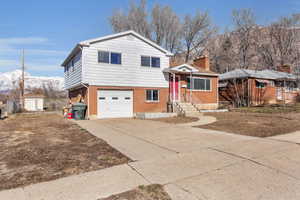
37,57
23,41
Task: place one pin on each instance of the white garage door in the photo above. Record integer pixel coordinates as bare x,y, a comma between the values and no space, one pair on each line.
115,103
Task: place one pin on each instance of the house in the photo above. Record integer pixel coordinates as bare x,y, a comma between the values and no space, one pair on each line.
123,74
194,83
33,102
258,87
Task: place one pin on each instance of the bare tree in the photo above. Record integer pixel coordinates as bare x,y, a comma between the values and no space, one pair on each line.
136,19
196,32
166,27
243,36
279,42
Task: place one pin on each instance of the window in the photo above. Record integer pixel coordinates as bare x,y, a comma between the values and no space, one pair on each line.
109,57
260,84
145,61
115,58
155,62
72,65
103,57
152,95
199,84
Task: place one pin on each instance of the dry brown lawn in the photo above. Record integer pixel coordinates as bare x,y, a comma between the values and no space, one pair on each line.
177,120
255,124
43,147
151,192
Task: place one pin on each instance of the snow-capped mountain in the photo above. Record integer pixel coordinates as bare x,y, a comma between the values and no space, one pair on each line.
10,80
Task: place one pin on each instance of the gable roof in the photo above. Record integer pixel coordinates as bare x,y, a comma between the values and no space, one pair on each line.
263,74
113,36
188,68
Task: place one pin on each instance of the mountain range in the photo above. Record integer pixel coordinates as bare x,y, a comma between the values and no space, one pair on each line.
10,80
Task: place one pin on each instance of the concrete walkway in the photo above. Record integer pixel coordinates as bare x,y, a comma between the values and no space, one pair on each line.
191,163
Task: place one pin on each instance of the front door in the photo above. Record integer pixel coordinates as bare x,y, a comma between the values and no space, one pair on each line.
174,88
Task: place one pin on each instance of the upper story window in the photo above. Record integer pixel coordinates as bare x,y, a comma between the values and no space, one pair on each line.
72,65
147,61
155,62
202,84
115,58
109,57
103,56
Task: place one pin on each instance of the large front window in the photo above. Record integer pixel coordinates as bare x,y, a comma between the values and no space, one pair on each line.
202,84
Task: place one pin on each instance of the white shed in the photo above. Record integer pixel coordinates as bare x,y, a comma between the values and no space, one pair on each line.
34,102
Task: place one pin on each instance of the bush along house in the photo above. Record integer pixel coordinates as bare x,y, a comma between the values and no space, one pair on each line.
124,74
242,87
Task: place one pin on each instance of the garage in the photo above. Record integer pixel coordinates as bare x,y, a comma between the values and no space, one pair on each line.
115,103
33,102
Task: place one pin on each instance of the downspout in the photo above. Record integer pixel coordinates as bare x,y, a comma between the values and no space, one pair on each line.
191,87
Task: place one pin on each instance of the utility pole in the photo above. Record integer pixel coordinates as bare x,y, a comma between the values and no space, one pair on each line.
23,80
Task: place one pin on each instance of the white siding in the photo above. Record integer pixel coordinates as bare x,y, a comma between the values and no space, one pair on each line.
73,77
130,72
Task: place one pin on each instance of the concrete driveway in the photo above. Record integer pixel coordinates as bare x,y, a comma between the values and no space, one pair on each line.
191,163
196,163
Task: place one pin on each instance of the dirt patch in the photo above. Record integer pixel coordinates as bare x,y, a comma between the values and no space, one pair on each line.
177,120
255,124
43,147
151,192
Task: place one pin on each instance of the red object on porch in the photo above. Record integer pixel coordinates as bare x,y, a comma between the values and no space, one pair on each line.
171,84
70,116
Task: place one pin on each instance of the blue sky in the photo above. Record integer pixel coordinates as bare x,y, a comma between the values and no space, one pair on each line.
48,30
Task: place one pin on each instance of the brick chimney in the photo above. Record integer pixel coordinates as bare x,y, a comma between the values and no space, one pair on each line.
202,63
284,68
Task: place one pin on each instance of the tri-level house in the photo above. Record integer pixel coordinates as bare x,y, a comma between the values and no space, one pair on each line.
123,74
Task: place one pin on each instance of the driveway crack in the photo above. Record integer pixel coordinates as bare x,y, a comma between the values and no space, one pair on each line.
139,173
254,161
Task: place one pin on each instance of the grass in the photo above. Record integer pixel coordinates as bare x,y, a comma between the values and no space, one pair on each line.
151,192
44,147
275,108
258,121
177,120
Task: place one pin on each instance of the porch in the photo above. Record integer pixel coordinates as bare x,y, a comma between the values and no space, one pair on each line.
189,85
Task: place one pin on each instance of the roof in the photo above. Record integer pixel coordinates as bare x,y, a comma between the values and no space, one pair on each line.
33,96
189,68
112,36
263,74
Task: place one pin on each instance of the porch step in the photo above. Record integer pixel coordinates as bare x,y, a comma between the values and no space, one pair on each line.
189,109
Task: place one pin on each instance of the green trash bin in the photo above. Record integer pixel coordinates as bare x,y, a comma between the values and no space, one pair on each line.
78,110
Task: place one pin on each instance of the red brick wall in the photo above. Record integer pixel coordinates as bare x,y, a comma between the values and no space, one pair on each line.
139,99
205,97
265,95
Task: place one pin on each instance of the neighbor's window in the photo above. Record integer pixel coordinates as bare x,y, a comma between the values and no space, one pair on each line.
115,58
260,84
155,62
199,84
103,57
145,61
152,95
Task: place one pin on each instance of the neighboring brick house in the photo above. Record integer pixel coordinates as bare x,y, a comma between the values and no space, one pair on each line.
258,87
123,74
